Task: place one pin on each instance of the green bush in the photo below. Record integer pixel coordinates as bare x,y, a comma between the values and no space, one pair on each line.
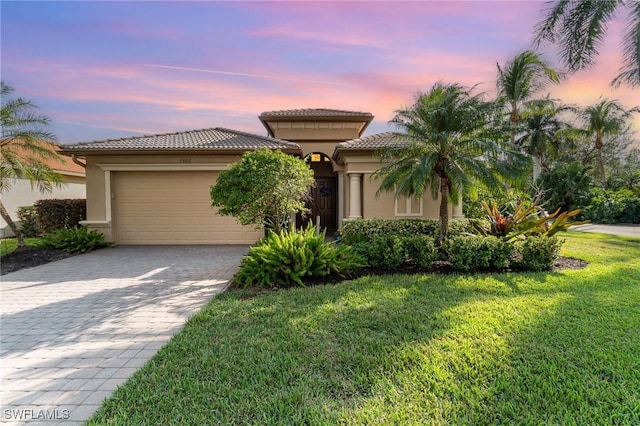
382,251
60,214
390,252
288,257
75,240
28,217
536,253
362,230
420,250
621,206
473,253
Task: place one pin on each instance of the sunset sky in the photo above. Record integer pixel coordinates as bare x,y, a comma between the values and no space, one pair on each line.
111,69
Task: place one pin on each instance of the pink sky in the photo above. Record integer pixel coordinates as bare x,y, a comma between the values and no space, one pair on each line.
112,69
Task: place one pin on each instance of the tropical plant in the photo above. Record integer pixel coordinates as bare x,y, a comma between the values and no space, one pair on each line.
446,145
526,219
540,128
519,79
605,118
75,240
24,148
290,257
579,28
264,189
565,187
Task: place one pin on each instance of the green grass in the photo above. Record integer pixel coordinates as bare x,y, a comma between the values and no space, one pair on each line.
9,245
534,348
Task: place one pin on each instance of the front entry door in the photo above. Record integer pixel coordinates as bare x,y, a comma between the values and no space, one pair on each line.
323,203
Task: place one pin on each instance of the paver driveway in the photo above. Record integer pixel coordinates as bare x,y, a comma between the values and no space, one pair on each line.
73,330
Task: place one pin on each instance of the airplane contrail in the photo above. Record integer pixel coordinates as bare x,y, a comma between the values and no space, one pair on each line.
240,74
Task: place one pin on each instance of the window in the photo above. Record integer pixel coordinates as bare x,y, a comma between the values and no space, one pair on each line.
408,206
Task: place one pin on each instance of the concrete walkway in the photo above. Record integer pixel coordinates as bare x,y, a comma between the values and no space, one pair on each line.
625,230
74,330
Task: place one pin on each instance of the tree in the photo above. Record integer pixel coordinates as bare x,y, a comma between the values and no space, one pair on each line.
605,118
540,127
24,149
579,28
445,144
519,79
263,189
565,187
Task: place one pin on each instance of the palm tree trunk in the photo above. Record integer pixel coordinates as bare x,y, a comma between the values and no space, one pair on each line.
7,218
444,208
537,167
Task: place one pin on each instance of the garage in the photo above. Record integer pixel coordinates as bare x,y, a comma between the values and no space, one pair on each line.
171,207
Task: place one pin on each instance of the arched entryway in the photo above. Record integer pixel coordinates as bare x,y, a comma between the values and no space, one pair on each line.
323,202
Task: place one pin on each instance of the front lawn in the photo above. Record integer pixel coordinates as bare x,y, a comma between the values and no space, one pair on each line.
9,245
531,348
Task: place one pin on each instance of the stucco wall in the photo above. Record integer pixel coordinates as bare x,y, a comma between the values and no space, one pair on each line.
22,194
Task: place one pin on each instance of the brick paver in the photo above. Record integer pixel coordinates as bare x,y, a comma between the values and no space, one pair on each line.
73,331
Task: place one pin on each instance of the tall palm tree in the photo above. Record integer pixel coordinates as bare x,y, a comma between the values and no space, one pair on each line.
579,27
540,128
22,151
519,79
605,118
445,144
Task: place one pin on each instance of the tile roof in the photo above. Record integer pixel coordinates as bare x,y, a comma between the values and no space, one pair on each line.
379,140
60,164
315,113
205,139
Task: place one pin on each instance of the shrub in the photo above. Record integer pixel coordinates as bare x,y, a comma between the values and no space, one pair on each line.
288,257
420,250
382,251
362,230
28,217
621,206
566,187
75,240
536,252
60,214
472,253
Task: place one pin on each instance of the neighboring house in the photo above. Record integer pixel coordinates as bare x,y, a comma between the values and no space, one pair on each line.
156,189
22,193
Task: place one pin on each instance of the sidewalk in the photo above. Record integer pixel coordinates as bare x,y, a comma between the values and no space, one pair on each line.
625,230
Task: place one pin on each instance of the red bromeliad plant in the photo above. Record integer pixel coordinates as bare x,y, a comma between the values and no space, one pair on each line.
526,220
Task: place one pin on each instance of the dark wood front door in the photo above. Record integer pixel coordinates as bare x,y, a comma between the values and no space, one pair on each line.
323,203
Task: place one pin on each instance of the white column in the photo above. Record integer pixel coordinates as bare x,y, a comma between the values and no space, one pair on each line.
355,196
107,195
457,210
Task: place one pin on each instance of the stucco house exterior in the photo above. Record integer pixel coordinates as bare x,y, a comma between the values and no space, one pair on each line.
155,189
22,193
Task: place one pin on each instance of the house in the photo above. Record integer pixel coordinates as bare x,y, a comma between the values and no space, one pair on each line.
155,189
22,193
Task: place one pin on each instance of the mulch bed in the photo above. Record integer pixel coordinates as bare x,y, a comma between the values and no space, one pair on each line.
29,257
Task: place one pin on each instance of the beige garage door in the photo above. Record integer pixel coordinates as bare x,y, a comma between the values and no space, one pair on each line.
172,208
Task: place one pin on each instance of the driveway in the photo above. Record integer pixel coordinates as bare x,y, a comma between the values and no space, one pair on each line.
74,330
626,230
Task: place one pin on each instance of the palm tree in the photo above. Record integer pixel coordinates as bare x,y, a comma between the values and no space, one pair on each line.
540,129
22,151
606,118
444,144
580,26
519,79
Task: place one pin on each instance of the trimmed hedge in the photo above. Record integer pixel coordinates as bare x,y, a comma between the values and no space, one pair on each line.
536,253
472,253
362,230
389,252
60,214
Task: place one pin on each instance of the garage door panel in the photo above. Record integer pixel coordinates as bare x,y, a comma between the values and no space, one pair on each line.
172,208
